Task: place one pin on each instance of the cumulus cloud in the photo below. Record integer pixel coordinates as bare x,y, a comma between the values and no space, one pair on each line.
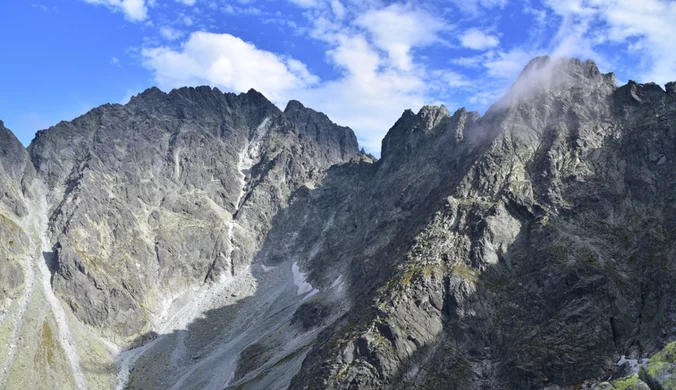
187,2
478,40
134,10
226,61
397,29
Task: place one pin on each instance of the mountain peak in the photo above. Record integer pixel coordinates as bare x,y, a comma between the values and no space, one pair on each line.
549,74
671,88
293,105
253,95
432,115
573,67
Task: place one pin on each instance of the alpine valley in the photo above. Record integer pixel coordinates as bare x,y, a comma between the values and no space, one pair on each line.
206,240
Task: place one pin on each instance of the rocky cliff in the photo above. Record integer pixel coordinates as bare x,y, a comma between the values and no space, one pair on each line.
205,240
533,245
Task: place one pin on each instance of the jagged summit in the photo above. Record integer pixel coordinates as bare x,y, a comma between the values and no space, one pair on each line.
294,105
551,75
671,88
564,70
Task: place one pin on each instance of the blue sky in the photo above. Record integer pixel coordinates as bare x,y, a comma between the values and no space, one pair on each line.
361,62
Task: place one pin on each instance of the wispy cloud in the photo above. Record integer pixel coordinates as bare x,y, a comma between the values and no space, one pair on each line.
644,28
41,7
478,40
133,10
170,33
478,7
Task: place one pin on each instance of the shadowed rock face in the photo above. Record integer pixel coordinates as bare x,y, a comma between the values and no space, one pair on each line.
527,248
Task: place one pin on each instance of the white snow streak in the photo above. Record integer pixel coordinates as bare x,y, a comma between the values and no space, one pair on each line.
634,364
338,282
299,279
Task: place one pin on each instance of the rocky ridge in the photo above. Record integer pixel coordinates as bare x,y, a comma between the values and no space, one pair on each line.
204,240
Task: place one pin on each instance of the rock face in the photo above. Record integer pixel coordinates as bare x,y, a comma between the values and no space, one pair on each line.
164,193
219,242
14,167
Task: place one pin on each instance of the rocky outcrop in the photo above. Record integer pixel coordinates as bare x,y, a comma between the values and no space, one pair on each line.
660,372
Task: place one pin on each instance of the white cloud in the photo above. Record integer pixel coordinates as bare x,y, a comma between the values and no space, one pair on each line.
226,61
368,96
134,10
115,61
338,9
478,40
469,62
235,10
644,28
187,2
476,7
507,65
306,3
41,7
171,34
396,29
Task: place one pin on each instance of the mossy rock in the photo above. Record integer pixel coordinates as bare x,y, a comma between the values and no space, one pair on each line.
666,355
629,383
660,372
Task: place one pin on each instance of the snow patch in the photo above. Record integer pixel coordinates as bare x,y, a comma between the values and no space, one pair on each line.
266,268
312,293
338,282
634,364
299,279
